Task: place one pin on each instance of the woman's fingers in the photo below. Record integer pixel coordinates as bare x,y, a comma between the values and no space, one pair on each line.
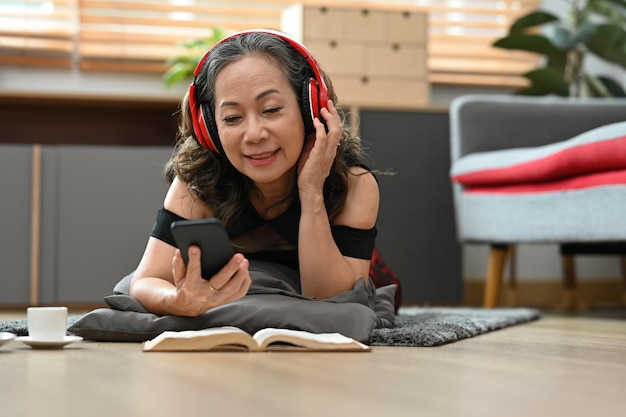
229,270
333,123
197,294
328,135
237,285
194,267
179,270
315,163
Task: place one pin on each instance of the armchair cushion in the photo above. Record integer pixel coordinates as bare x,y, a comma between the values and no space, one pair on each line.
578,182
599,150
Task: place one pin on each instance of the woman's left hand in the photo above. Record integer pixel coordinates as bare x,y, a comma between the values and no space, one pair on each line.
319,152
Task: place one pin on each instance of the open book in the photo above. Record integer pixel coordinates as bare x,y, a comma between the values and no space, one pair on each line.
233,338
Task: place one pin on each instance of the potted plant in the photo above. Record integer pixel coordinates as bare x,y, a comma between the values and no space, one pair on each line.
590,27
182,67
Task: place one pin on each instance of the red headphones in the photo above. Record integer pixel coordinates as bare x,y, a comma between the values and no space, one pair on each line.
314,93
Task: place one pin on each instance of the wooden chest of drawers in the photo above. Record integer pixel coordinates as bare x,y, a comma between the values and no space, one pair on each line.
375,57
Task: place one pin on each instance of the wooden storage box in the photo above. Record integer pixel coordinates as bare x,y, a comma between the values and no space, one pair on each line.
375,57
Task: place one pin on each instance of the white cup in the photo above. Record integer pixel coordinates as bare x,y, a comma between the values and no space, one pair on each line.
47,324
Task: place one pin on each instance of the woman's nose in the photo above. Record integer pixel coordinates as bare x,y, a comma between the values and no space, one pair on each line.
255,130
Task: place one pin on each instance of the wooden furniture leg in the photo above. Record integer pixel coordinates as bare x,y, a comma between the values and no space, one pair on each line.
569,297
623,265
495,266
35,227
511,293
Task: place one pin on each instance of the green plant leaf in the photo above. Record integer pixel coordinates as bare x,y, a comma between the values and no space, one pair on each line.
177,73
584,32
182,59
192,43
531,91
603,86
182,66
614,10
617,3
217,35
599,25
557,62
532,19
609,43
560,37
548,80
531,43
595,88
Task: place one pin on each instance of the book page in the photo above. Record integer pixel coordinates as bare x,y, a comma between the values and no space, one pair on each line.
310,341
222,338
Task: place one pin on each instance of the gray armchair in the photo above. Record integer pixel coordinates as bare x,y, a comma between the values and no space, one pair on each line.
539,170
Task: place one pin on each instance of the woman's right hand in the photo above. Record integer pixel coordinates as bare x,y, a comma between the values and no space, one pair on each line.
196,295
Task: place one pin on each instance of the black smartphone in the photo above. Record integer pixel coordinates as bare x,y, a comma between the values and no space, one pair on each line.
210,235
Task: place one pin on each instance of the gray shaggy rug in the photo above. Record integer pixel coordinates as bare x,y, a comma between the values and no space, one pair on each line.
415,326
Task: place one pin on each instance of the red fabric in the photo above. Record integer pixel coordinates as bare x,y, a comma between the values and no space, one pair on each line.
596,179
382,275
598,156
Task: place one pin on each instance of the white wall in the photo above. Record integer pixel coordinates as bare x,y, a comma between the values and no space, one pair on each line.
65,81
541,262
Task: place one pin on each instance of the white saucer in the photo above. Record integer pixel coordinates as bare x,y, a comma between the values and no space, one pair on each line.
6,337
49,344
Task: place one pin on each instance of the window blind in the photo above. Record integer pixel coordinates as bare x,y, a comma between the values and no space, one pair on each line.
122,35
37,32
461,33
140,35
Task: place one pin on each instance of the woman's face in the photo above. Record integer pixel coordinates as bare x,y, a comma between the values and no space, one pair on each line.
258,120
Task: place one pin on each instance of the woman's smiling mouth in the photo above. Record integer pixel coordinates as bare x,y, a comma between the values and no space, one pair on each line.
262,158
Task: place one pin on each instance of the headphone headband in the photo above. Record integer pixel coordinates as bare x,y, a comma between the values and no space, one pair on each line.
315,94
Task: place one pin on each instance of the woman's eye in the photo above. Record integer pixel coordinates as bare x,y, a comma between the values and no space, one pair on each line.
231,119
273,110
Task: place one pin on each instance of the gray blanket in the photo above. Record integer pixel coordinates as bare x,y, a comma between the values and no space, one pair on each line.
274,300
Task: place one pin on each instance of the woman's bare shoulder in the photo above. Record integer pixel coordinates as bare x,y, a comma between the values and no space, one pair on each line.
361,208
362,181
181,199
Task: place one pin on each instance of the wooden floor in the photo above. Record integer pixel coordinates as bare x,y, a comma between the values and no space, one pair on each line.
556,366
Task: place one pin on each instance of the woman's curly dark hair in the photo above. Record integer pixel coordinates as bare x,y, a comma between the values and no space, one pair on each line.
210,175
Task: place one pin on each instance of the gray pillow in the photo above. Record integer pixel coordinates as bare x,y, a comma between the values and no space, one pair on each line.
271,302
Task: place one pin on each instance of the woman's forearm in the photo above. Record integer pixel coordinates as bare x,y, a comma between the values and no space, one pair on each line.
154,294
324,272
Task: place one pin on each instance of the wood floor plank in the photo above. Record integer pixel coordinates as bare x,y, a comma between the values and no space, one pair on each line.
558,365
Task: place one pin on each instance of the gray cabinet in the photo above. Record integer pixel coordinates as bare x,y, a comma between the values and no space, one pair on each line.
107,198
416,225
15,203
97,209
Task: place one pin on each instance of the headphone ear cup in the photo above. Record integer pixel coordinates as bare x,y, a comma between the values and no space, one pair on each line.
200,128
212,140
310,104
202,122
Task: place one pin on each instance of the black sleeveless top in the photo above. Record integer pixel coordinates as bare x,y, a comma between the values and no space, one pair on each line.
274,240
